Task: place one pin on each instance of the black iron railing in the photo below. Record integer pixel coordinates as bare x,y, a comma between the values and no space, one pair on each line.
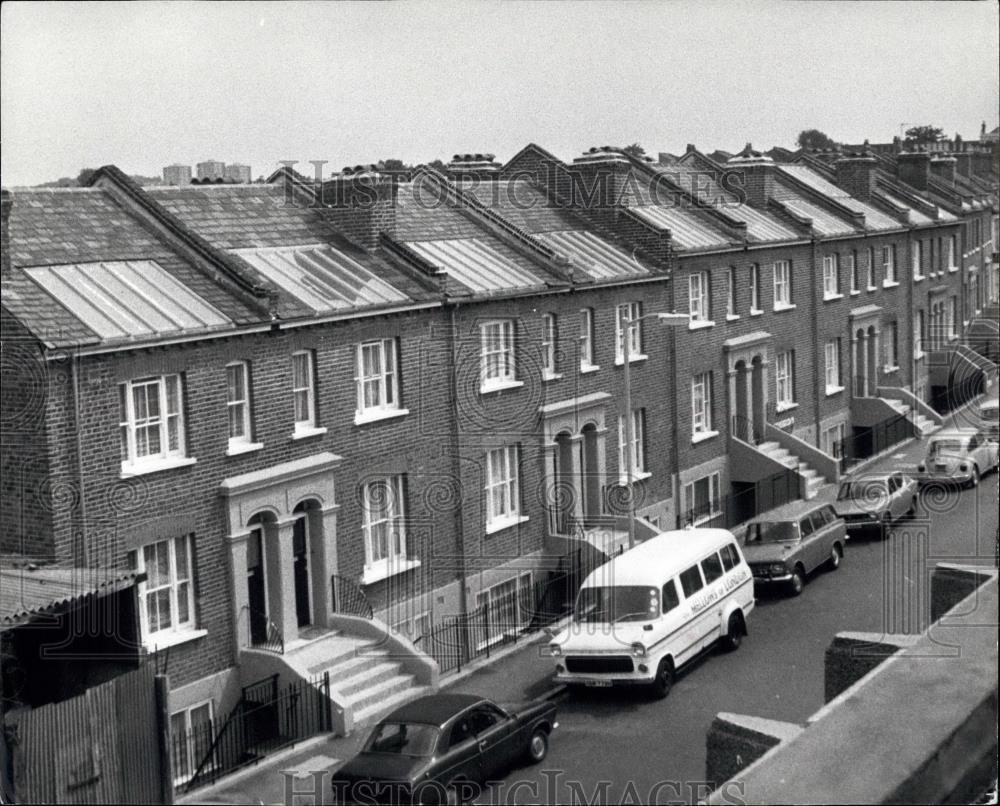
867,442
743,428
348,599
741,505
262,633
267,718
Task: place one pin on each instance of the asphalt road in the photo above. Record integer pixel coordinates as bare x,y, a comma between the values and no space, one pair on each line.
621,746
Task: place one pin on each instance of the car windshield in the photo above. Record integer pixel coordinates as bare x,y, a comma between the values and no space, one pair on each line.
861,490
942,446
403,739
772,532
608,605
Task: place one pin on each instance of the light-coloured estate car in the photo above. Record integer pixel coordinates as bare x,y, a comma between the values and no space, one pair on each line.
988,413
958,456
876,501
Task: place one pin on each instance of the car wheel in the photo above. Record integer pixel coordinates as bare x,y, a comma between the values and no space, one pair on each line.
734,632
798,580
835,554
538,747
664,679
974,478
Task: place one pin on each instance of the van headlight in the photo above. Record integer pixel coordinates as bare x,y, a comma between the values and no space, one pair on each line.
638,650
555,650
777,568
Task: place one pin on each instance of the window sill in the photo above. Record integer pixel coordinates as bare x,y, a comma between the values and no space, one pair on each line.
889,284
154,643
500,524
383,570
732,317
855,292
632,359
953,268
588,368
499,386
872,288
834,390
551,376
307,431
784,306
237,448
129,471
918,356
918,277
701,324
637,475
783,407
829,297
756,312
889,370
377,415
701,436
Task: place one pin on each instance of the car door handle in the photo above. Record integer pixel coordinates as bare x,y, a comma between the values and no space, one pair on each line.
482,745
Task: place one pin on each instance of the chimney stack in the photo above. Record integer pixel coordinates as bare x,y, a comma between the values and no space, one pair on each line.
361,203
944,169
963,163
914,168
757,171
479,166
597,179
856,175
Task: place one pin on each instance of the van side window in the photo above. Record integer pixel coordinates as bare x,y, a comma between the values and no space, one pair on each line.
829,514
730,559
670,599
712,568
691,581
806,526
819,520
894,484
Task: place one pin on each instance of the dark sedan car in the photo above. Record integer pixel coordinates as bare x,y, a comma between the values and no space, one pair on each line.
441,748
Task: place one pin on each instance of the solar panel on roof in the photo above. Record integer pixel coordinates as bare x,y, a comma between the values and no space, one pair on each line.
126,298
598,258
321,276
475,264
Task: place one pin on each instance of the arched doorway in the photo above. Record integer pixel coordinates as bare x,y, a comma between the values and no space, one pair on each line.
566,494
871,347
256,574
757,396
592,475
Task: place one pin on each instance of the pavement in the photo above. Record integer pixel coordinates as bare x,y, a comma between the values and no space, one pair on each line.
516,673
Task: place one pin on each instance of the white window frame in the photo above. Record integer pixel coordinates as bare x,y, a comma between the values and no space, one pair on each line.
952,242
304,392
714,482
782,285
239,408
382,381
638,447
919,326
498,365
549,342
381,562
731,313
699,297
832,439
701,406
852,267
831,278
951,317
889,265
891,347
872,281
918,256
136,425
831,352
784,380
503,488
194,754
755,309
178,590
631,311
587,340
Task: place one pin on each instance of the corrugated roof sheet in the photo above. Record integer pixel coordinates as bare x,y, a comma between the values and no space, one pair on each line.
524,205
825,223
25,593
474,264
322,277
591,253
687,231
875,219
915,216
127,299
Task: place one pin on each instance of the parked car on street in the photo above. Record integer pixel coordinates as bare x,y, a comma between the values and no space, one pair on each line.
958,456
988,413
874,502
440,748
785,545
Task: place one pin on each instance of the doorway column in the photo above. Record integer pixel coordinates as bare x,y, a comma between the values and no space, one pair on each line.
281,578
324,559
241,594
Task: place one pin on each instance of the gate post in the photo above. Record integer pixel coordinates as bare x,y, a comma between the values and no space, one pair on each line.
161,689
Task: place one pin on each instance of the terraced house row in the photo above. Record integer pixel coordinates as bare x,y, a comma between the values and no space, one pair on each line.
302,410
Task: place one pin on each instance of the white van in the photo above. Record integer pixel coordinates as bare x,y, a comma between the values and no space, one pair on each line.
639,617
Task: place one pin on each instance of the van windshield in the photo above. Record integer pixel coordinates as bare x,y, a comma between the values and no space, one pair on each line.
772,532
608,605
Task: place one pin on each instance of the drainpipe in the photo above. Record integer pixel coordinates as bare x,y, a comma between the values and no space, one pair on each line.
456,457
817,289
81,553
675,458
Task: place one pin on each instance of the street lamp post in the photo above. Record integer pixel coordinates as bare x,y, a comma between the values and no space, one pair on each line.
671,320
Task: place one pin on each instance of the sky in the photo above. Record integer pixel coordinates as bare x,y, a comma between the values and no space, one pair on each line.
146,84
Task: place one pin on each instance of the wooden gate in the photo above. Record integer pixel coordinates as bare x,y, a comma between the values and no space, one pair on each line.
101,747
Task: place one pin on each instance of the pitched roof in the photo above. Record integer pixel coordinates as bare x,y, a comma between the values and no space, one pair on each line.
875,219
596,257
525,206
475,263
688,230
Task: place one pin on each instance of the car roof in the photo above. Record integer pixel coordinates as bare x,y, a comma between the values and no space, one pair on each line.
645,564
954,433
989,404
790,512
433,709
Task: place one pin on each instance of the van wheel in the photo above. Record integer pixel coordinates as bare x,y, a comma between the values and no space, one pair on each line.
835,554
798,580
664,679
734,632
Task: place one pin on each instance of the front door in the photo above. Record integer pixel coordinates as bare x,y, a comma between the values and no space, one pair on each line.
256,594
300,550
